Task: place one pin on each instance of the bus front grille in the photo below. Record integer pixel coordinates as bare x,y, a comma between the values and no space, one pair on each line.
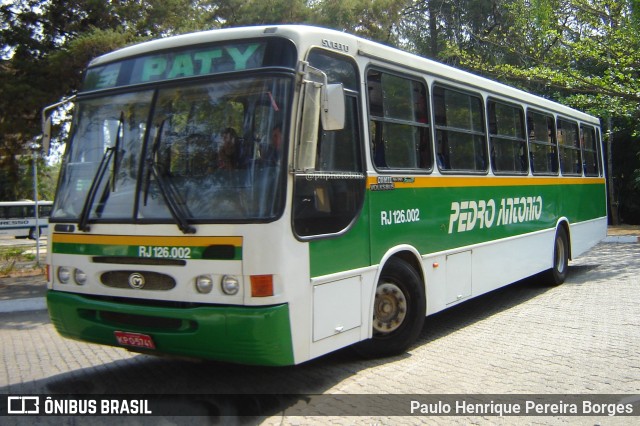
143,280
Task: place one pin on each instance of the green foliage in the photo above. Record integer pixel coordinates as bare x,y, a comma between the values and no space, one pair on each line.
374,19
585,53
45,46
47,179
232,13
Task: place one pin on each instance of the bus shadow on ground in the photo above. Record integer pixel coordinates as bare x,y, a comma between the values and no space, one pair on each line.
22,321
221,393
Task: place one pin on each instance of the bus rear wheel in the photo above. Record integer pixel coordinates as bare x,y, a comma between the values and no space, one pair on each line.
398,311
558,272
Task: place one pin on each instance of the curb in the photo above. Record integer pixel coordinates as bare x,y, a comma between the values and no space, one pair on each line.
620,239
23,305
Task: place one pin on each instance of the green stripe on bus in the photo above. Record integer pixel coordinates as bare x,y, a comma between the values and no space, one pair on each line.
436,219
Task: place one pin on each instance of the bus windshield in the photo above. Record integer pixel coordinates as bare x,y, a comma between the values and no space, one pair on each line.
204,152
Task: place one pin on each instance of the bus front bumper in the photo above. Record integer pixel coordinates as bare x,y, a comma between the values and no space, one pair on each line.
239,334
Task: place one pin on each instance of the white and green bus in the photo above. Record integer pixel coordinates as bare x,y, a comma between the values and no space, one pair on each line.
267,195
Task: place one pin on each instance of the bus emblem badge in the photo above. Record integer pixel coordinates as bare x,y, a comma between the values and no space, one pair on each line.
136,280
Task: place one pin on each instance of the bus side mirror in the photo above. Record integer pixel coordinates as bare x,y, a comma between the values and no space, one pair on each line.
46,122
333,107
310,124
46,135
321,103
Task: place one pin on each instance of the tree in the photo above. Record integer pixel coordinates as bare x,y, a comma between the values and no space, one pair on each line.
373,19
584,53
46,44
232,13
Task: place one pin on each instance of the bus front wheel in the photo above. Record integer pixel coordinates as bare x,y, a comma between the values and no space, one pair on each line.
558,272
398,311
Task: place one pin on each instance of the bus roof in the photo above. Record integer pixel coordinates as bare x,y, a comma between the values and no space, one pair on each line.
308,36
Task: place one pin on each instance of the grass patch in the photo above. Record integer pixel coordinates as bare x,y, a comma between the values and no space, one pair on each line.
9,253
12,260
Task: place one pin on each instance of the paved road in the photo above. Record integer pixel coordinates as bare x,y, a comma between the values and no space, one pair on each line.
579,338
9,241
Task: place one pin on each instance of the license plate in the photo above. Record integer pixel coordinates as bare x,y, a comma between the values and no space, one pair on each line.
137,340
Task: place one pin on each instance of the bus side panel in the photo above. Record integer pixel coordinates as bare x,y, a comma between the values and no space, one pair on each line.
448,217
342,283
506,261
343,252
585,235
507,232
587,216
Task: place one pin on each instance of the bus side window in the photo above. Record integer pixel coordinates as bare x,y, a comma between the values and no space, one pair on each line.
589,150
569,143
508,145
460,130
542,143
399,122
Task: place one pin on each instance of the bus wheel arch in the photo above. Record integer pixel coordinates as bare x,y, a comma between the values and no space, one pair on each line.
567,229
561,254
399,307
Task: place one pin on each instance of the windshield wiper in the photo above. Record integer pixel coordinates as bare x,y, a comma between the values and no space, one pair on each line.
169,193
173,200
154,153
117,155
88,202
111,152
117,158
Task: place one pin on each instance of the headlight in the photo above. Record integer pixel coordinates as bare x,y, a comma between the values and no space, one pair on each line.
79,277
230,285
204,284
64,274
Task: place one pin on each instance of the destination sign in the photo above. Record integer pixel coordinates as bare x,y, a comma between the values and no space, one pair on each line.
203,60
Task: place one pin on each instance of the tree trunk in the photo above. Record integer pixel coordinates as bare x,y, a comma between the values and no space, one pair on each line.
433,29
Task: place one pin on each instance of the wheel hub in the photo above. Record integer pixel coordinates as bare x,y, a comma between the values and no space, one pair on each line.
390,308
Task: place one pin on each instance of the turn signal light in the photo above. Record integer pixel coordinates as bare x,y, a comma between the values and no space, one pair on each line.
261,285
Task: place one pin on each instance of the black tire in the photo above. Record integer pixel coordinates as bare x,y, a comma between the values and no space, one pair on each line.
32,233
398,312
558,272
